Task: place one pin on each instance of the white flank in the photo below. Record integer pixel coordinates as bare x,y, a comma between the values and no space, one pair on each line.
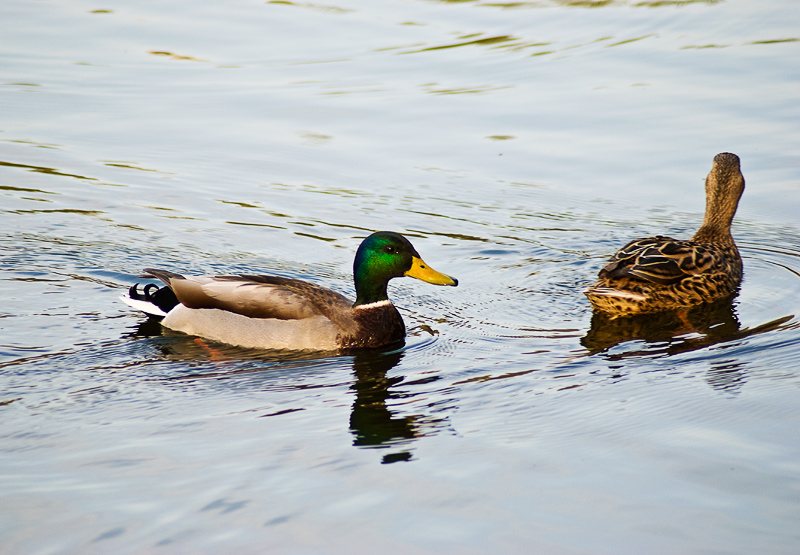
144,306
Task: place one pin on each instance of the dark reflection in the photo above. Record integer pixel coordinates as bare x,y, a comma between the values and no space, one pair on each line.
372,422
148,328
681,330
673,332
728,376
42,169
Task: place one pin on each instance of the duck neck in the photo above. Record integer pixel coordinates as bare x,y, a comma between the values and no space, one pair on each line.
368,289
724,188
716,227
365,296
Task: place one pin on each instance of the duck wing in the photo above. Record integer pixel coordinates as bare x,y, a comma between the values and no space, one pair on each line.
661,260
257,296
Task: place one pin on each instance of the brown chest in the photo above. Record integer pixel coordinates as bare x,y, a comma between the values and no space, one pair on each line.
375,327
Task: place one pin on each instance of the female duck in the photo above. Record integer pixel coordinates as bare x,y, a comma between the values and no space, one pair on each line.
271,312
660,273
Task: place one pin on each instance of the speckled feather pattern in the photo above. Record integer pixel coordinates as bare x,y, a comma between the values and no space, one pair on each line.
661,273
664,274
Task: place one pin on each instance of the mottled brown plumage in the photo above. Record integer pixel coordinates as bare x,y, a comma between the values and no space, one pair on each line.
661,273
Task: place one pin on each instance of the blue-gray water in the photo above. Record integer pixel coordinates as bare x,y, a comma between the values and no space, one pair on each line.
517,145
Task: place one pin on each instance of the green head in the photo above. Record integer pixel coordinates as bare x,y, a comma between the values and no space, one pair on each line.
385,255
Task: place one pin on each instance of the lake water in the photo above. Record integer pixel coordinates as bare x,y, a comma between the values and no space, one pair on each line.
517,144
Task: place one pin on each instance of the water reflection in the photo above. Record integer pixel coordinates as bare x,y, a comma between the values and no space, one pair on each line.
373,424
670,331
674,332
728,375
45,170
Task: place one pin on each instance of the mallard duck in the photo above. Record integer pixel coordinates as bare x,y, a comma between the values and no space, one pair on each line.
661,273
271,312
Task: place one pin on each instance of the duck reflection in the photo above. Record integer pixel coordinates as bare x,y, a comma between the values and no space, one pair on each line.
678,330
372,423
673,332
726,376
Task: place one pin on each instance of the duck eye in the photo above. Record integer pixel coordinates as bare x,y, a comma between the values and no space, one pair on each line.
390,249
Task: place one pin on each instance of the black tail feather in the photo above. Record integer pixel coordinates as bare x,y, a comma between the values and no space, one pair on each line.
162,297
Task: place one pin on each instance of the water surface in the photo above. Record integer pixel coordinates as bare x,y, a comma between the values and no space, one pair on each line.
517,144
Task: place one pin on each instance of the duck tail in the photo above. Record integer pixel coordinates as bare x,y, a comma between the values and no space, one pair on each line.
151,300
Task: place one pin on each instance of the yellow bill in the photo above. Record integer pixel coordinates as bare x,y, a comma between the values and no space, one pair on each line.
422,271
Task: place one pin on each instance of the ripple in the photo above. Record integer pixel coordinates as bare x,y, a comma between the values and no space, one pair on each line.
519,147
